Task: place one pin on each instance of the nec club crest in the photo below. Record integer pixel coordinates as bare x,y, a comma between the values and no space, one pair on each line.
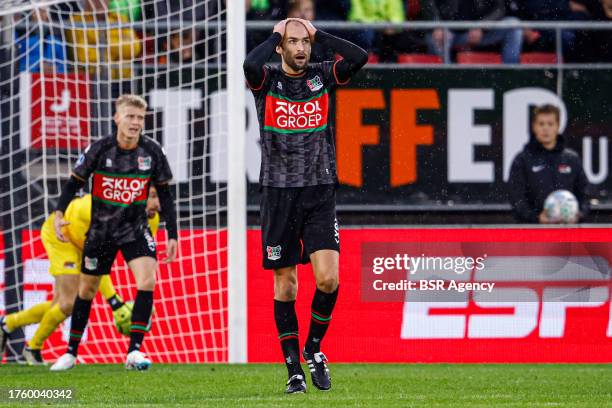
274,252
144,163
314,83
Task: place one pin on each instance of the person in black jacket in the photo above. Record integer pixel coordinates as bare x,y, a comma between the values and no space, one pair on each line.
545,165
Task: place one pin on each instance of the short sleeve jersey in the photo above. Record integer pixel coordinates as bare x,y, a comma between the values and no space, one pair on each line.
120,188
297,141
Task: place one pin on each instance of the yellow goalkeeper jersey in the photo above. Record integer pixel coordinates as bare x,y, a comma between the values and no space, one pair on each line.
78,214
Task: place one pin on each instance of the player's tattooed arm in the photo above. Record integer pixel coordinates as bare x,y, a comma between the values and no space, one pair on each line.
256,59
73,185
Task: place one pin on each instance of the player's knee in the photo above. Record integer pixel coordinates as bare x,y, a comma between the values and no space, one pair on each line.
87,289
66,306
286,293
87,292
285,289
328,282
147,282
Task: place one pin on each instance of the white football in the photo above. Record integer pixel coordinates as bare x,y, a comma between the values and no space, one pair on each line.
561,206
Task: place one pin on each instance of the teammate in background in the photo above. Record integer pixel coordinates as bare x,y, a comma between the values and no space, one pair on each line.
545,165
123,166
298,179
65,266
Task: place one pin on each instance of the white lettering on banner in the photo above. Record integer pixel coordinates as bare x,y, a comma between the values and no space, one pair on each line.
463,135
556,301
64,102
517,106
219,138
419,324
35,271
176,105
587,159
517,325
25,109
546,315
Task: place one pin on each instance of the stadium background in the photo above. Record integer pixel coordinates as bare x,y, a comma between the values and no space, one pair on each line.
419,144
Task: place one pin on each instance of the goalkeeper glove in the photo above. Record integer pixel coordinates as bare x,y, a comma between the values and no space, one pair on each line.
123,318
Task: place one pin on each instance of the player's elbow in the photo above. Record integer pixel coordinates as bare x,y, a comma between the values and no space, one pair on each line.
249,66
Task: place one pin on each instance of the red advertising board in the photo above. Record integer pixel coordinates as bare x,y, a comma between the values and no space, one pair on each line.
378,331
190,321
60,111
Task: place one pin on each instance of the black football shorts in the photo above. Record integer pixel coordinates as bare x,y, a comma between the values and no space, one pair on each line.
297,221
98,256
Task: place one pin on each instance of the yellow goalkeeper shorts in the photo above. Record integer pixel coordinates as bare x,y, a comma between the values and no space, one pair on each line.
64,257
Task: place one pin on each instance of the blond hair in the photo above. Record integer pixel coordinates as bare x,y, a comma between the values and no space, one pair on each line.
131,100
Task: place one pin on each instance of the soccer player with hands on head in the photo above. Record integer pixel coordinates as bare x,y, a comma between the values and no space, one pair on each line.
298,180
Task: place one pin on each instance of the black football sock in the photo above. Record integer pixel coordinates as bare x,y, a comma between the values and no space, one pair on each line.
80,316
287,326
321,313
143,304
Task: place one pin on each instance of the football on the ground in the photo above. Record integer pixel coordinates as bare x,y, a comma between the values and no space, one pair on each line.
561,206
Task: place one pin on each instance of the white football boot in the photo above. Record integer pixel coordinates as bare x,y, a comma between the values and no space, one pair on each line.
136,360
65,362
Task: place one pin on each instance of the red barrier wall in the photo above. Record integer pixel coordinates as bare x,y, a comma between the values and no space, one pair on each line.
371,332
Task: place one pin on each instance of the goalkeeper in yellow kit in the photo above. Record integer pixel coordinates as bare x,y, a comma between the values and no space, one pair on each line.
65,267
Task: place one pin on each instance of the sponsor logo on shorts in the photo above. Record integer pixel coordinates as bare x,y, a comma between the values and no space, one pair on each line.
144,163
91,264
69,265
150,241
274,252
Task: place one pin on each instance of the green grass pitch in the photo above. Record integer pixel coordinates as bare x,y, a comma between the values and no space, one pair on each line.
354,385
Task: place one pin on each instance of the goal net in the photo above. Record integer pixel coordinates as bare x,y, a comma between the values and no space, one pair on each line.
62,65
